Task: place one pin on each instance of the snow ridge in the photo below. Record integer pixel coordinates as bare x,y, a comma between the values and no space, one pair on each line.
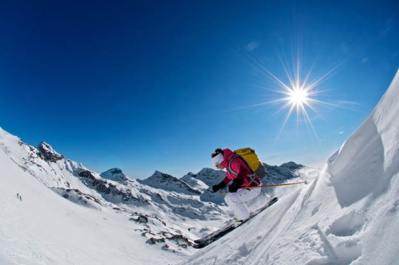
167,182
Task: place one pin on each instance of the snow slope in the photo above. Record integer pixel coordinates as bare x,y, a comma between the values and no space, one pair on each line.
70,215
347,215
44,228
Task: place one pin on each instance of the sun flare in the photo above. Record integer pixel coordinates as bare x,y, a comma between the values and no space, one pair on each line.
297,92
298,96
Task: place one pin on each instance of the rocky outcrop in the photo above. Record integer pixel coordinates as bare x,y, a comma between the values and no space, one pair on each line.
49,153
108,189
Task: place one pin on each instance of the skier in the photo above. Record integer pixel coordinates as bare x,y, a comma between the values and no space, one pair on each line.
241,176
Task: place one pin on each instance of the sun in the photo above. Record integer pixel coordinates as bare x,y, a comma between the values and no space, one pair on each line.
298,97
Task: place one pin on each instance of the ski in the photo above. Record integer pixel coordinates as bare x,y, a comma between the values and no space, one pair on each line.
205,241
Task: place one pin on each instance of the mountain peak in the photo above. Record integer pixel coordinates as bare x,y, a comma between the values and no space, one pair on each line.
167,182
114,174
48,152
292,165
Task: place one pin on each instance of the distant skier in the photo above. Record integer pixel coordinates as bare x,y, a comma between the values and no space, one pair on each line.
236,198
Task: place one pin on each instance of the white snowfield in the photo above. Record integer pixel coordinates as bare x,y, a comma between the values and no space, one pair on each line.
348,214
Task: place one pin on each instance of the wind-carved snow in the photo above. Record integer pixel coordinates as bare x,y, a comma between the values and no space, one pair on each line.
347,225
364,146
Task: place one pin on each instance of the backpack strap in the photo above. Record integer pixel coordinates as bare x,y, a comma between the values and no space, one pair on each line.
231,161
251,176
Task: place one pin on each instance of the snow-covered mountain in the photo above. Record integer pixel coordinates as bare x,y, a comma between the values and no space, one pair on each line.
164,211
115,174
57,211
167,182
156,215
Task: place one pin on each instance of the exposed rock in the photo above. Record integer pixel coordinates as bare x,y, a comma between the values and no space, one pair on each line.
105,188
49,153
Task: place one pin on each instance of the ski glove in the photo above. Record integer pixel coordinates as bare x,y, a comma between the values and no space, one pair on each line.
219,186
236,185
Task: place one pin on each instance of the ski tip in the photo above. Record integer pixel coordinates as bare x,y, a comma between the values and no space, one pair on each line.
199,245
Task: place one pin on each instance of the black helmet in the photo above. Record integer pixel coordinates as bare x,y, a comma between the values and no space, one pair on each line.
217,151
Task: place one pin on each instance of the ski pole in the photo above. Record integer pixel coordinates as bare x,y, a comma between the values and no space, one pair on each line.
224,194
275,185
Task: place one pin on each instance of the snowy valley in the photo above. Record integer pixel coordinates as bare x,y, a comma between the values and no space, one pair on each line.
67,214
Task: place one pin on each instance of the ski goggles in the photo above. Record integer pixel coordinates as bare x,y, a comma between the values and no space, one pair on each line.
218,159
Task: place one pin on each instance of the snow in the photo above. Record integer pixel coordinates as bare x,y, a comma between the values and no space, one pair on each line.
115,174
70,215
167,182
347,214
44,228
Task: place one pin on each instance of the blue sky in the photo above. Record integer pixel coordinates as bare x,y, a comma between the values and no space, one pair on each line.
158,85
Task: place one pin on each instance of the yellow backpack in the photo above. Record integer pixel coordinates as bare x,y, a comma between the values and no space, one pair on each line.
252,160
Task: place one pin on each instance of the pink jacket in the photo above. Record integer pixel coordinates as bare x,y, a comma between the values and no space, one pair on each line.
238,165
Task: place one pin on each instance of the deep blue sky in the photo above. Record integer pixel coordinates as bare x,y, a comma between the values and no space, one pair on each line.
158,85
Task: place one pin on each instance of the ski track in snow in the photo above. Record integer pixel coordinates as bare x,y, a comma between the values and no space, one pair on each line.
274,235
